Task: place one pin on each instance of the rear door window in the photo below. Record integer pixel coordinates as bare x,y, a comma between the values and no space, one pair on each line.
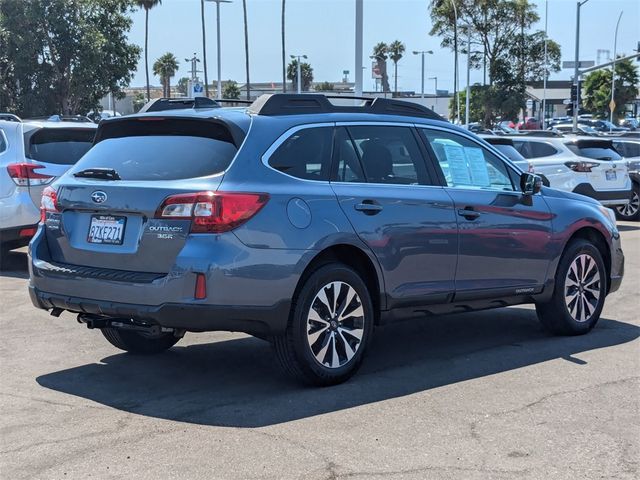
306,154
60,146
164,149
389,155
628,149
542,149
3,141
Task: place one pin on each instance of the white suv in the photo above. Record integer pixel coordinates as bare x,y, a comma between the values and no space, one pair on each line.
586,165
33,153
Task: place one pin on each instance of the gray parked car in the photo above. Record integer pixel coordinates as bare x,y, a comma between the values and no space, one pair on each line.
308,224
33,153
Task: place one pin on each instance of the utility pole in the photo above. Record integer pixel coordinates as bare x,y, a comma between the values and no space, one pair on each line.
468,95
612,103
299,70
576,70
546,66
359,17
436,86
423,52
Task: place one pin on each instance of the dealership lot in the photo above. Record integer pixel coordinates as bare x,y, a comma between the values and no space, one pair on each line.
481,395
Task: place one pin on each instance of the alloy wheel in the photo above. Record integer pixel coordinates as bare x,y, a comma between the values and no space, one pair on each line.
335,324
582,287
631,208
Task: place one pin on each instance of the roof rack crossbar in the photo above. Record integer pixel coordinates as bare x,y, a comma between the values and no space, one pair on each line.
294,104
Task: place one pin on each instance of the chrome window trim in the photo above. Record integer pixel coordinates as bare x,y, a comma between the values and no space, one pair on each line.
508,163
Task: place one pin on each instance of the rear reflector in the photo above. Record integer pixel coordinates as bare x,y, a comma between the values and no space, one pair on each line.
27,232
48,202
201,287
24,174
212,212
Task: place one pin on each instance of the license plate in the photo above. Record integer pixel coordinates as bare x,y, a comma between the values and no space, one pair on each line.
106,229
610,174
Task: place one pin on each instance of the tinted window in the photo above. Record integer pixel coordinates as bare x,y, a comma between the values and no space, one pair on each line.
58,145
541,149
159,157
628,149
305,154
389,155
346,158
510,152
3,142
465,164
595,152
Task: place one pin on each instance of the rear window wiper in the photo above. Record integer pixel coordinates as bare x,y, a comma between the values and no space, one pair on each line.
100,173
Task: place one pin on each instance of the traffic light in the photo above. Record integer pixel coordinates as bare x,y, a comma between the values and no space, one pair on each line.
574,94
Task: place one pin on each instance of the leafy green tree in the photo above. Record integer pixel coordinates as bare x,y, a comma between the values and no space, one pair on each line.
396,51
165,67
147,5
499,33
324,87
59,56
380,55
597,89
183,86
231,90
139,100
306,72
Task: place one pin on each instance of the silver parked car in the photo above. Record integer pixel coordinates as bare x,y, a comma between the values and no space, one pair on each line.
33,153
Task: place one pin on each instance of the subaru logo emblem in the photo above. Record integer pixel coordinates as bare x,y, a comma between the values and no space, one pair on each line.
99,196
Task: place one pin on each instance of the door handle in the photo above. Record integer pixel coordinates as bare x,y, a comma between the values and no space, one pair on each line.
468,213
368,207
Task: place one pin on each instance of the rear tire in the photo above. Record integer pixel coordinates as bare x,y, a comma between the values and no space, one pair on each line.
630,211
330,325
138,342
579,291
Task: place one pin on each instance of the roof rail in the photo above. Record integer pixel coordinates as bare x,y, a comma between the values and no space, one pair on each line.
161,104
10,117
296,104
234,100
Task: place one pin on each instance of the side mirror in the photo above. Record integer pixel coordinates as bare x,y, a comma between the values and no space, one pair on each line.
530,184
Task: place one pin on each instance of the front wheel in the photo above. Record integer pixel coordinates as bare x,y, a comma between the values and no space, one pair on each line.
630,211
579,291
139,342
331,323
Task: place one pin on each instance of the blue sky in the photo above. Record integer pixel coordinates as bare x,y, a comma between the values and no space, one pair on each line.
324,30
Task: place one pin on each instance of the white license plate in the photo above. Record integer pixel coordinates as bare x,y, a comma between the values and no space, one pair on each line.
106,229
610,174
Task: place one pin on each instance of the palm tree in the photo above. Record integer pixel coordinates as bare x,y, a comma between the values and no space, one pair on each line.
204,49
246,47
380,56
396,50
147,5
284,61
165,68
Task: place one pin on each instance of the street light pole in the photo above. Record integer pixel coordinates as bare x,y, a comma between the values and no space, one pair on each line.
436,86
546,62
456,89
298,71
576,72
612,104
422,52
359,66
468,95
219,86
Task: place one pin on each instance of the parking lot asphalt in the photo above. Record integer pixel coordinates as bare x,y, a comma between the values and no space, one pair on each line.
474,396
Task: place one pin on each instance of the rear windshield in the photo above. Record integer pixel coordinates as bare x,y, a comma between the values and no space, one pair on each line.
161,148
595,152
62,146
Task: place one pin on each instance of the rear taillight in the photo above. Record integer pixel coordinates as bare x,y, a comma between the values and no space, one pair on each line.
212,212
583,167
48,202
25,175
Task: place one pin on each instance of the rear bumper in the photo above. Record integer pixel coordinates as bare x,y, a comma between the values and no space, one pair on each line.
605,197
260,321
17,236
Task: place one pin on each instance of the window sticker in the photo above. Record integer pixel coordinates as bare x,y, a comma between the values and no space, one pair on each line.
458,170
477,167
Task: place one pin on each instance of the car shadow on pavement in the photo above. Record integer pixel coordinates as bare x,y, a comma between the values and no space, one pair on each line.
236,383
628,228
13,264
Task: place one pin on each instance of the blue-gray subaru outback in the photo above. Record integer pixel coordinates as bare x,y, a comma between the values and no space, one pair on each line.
308,223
